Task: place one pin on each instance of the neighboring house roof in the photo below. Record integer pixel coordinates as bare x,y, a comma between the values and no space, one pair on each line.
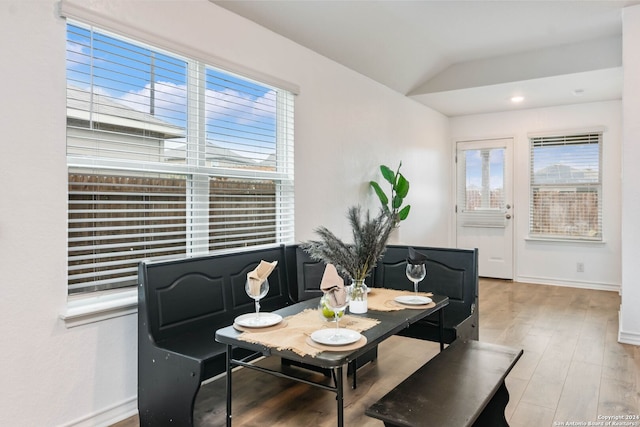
103,109
218,156
558,173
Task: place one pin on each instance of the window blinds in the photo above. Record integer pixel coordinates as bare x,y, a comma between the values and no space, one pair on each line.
566,199
168,157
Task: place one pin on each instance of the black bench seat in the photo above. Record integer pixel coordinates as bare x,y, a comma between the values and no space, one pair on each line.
461,386
450,272
182,302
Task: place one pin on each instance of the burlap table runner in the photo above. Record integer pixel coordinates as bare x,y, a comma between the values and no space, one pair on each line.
381,299
300,326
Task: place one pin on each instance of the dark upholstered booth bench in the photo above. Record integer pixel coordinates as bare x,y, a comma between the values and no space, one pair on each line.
181,303
450,272
461,386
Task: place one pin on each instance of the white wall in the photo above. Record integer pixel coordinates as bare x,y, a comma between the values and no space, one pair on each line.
629,315
346,125
344,130
555,263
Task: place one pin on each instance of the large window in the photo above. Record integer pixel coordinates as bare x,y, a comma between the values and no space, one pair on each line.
168,157
566,187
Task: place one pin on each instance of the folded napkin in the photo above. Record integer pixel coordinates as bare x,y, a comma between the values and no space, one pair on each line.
333,286
258,275
416,257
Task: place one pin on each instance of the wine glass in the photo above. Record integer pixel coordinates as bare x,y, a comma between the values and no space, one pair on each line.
337,302
416,273
256,292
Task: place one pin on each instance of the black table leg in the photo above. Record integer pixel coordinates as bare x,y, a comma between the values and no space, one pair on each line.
340,396
441,328
229,356
354,365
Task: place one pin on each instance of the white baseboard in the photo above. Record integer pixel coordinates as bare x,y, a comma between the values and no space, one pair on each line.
569,283
632,338
627,337
118,412
109,416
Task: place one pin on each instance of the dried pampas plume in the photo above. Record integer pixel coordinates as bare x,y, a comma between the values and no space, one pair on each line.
354,260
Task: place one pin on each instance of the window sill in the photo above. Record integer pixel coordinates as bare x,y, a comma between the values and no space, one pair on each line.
568,241
83,310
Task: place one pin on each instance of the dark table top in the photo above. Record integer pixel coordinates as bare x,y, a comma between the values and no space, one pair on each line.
391,322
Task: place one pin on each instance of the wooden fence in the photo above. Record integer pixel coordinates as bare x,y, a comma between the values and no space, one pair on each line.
116,221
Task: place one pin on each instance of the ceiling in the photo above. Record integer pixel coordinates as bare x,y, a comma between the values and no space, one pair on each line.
463,57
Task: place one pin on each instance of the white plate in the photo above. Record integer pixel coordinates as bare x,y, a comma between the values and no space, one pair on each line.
330,336
250,320
412,300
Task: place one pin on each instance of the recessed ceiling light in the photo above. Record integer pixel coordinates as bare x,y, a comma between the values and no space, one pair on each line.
517,99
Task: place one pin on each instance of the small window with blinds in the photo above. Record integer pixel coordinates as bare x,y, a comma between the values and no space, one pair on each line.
168,157
566,187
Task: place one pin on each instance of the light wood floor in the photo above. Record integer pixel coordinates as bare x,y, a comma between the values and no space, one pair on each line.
572,370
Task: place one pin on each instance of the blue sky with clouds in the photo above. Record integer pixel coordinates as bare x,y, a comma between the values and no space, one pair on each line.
239,114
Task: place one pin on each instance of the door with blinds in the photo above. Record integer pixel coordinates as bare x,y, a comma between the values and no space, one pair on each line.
484,211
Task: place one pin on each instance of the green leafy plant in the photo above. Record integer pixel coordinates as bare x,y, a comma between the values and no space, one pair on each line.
353,260
399,189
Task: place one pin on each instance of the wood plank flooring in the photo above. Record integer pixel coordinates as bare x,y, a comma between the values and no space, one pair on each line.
573,369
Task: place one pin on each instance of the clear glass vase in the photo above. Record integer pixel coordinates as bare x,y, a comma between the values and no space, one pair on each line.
358,297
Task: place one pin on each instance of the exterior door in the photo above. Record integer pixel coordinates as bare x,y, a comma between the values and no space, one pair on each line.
484,211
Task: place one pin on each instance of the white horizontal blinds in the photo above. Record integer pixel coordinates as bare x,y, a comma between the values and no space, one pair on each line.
240,215
126,116
481,187
119,218
285,166
246,132
168,157
125,103
566,199
241,119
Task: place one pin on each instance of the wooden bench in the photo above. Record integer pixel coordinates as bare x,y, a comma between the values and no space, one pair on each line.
461,386
181,303
451,272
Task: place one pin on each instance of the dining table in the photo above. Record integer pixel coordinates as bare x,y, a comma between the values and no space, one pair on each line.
291,340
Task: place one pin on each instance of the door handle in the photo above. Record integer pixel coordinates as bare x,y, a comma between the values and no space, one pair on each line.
508,216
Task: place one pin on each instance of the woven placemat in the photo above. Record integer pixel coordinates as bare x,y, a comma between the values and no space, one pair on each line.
299,327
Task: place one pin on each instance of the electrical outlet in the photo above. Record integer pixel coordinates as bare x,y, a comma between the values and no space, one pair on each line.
580,267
